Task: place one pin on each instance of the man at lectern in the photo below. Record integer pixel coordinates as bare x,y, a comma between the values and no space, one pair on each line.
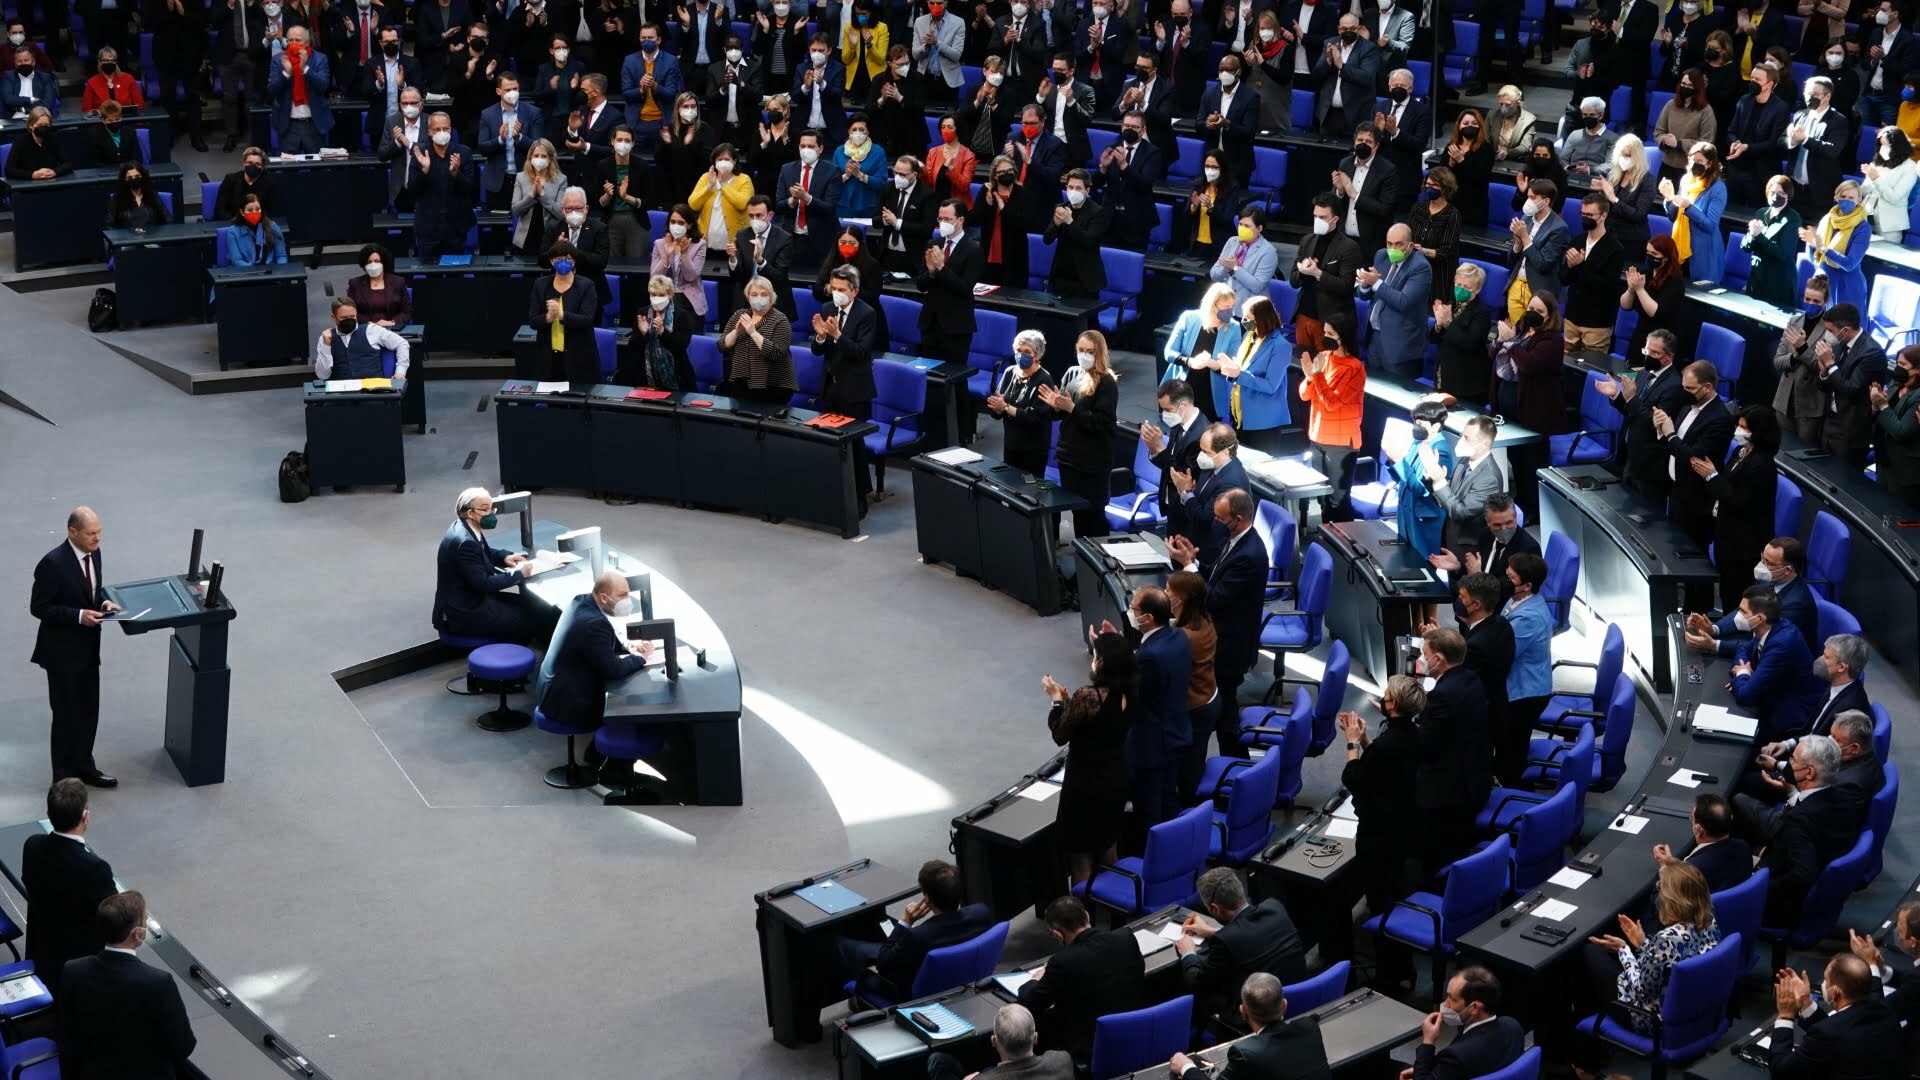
70,601
466,596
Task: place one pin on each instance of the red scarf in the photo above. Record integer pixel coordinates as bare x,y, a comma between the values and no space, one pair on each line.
1269,48
300,77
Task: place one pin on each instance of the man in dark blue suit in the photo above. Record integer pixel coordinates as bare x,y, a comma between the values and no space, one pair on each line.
1347,70
1843,659
298,81
1723,859
70,600
1486,1043
817,90
1278,1049
1772,670
466,598
384,75
1784,562
1128,170
1160,734
1857,1038
934,921
40,89
508,131
1040,157
1456,748
116,1015
1173,447
442,185
587,655
1218,460
1405,125
649,83
1236,592
65,882
1229,115
808,195
1819,824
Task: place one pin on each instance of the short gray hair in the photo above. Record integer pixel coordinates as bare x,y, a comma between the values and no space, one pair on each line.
468,497
1407,695
1032,338
572,191
1398,72
1819,753
1852,651
663,283
848,273
1594,103
1853,726
1013,1031
1263,998
1221,888
1474,274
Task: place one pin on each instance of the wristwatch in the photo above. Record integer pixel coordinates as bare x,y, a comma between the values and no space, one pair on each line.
1353,746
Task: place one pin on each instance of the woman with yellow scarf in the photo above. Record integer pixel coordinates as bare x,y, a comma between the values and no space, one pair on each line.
1839,243
1695,208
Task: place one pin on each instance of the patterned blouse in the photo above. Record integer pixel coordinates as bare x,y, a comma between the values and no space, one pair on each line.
1643,975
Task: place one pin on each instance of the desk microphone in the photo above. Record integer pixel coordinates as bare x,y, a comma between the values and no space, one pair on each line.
1521,907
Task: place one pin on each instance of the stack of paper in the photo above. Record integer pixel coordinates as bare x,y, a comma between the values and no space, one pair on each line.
1717,718
340,386
1554,910
1289,472
1341,828
1135,554
1012,981
1345,810
551,387
954,455
1039,791
544,561
21,989
1149,942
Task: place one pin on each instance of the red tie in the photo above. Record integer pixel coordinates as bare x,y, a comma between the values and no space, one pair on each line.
364,33
1098,36
1174,63
806,184
1025,160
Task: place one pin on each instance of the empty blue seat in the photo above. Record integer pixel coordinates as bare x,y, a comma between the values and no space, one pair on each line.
33,1059
1786,503
1829,547
899,399
1294,629
1833,619
1563,576
1245,825
990,351
709,367
903,323
1310,994
500,667
1880,821
1568,710
1283,734
209,198
1820,912
1184,169
1269,175
1126,277
1039,262
1431,924
1600,423
1167,872
1124,1043
1280,533
1726,351
1139,508
809,376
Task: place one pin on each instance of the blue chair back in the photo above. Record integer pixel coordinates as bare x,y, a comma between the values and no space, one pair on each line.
1462,61
1524,1067
1540,835
809,374
1738,264
991,349
1829,893
1833,619
1563,575
1098,139
1310,994
1316,586
222,250
1269,174
1880,820
1247,822
1613,657
1184,169
604,345
1126,278
1611,763
1039,261
970,80
1279,532
1882,732
209,198
1475,887
703,353
1499,205
1286,299
1333,691
1657,100
1176,853
1738,909
1893,310
903,323
1623,325
1693,1015
956,965
1422,76
1829,545
1124,1043
1301,111
805,307
1292,750
1726,350
899,400
1786,503
1161,234
1494,292
1599,432
656,224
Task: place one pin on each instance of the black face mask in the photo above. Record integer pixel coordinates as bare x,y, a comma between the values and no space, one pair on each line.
1531,321
1332,344
1004,179
1591,123
252,172
1399,94
1348,37
1180,22
1697,169
1756,89
1655,261
477,44
347,326
776,118
390,48
1362,151
1712,55
1129,136
1143,75
1589,224
109,69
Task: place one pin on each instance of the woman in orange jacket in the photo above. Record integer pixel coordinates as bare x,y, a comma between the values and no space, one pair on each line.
1335,387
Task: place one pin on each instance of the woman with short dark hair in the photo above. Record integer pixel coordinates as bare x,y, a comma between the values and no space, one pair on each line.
563,310
380,296
1092,724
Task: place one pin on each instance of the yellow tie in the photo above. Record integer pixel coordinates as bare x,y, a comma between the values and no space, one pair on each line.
1233,398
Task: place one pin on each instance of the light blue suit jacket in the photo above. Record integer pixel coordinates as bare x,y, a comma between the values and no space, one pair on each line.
1258,261
1532,673
1402,303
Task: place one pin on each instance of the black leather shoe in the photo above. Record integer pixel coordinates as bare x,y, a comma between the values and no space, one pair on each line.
199,144
98,779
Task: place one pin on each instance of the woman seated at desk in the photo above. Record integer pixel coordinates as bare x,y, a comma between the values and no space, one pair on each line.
254,239
380,296
136,204
110,142
38,156
250,178
1687,929
661,333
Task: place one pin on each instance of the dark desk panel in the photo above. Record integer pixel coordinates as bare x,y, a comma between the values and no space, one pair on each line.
1380,587
544,439
413,401
1013,520
792,936
329,200
45,212
1005,848
353,437
1636,566
473,309
1881,585
261,313
159,272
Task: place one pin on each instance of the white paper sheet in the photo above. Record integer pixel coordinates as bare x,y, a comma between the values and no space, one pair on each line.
1342,829
551,387
1629,824
1039,791
1569,878
1554,910
1172,931
1685,778
1149,942
1012,981
1717,718
1134,554
1345,810
339,386
1289,472
21,989
954,455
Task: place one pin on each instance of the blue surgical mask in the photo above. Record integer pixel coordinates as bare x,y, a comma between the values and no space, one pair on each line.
1845,206
563,267
649,46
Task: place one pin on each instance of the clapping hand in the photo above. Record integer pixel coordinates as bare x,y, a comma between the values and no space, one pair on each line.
1636,279
1662,423
1608,386
1666,189
1182,550
1864,948
1367,276
1877,396
1054,690
1575,256
1790,994
1662,854
1182,480
1353,726
1702,467
1442,313
1445,560
553,310
1153,437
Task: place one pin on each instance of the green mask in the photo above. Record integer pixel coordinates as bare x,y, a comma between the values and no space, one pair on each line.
488,521
1396,256
1461,294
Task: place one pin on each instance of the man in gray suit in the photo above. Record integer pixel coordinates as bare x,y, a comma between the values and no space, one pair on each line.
939,41
1464,491
404,130
1799,401
1540,239
1848,366
1013,1037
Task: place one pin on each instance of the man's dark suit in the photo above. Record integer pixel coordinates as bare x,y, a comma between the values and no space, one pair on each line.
1849,430
777,267
1373,206
1100,973
466,598
1905,1003
1407,145
1160,732
1077,269
1356,78
1488,1048
1779,684
1724,863
1076,116
1260,937
1025,60
1128,192
1796,607
1495,555
1288,1050
589,657
66,882
915,214
1235,137
70,653
1851,696
1813,832
898,958
596,132
946,310
847,387
1156,100
372,85
1708,437
1856,1043
1045,167
1207,534
119,1018
592,245
443,201
1181,448
1646,456
1456,762
1236,592
823,213
1490,656
1189,67
1828,157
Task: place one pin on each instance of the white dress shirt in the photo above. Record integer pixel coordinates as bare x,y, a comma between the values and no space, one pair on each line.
379,336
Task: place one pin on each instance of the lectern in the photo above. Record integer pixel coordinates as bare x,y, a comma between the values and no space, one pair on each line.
198,679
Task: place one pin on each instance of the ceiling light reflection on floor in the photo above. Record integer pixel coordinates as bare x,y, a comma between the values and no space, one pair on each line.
866,786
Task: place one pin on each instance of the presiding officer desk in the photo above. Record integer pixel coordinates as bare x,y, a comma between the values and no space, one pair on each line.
703,703
1880,584
1004,847
684,447
230,1038
1659,808
45,213
1636,565
1381,587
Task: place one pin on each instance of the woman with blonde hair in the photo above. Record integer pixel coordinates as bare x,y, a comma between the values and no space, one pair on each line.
1196,334
1087,402
759,365
1511,124
1628,188
1684,907
537,190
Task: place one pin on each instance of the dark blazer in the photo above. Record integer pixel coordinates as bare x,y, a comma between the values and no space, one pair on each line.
1193,68
579,313
371,82
1490,656
1780,687
1236,592
468,574
849,360
390,302
947,306
1849,430
224,45
1180,452
1796,607
1207,534
493,152
28,157
1456,747
1161,730
1128,193
596,132
1157,102
1332,292
1724,863
777,269
66,882
1358,77
1030,44
119,1018
1853,1044
442,199
1100,973
102,152
1829,154
1646,457
555,102
1488,1048
1078,113
823,213
915,218
1077,269
59,594
1115,49
1289,1050
1016,217
45,92
1709,437
591,657
1495,563
1742,489
904,949
1235,138
1862,778
1851,696
1813,832
1592,289
1261,937
1408,145
1048,165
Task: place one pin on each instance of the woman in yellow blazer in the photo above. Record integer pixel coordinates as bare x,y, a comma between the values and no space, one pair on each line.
863,47
719,198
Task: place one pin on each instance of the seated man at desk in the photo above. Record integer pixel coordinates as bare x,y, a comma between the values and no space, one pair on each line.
1723,859
593,656
1855,1039
350,349
1772,670
939,918
1013,1039
1485,1041
1782,567
1765,789
1817,826
1900,977
1218,953
465,594
1278,1049
1842,662
116,1015
1096,973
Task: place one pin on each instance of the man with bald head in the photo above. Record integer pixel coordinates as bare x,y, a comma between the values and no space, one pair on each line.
1856,1038
592,654
69,598
1398,288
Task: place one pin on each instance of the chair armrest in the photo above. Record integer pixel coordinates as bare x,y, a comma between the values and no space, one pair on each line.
1515,797
1280,613
1427,911
894,425
1226,774
1558,726
23,1066
1589,665
1139,886
1553,756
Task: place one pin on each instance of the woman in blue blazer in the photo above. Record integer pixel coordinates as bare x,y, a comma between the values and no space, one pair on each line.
1250,375
1421,519
253,239
1695,206
1838,242
1198,332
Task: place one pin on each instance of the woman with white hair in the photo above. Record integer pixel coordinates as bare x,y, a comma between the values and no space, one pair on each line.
1027,419
1511,124
759,367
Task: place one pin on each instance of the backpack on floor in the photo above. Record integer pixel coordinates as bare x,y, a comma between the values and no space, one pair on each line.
294,485
103,312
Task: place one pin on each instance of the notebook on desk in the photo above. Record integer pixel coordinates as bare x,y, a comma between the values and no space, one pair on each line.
644,394
830,897
456,260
